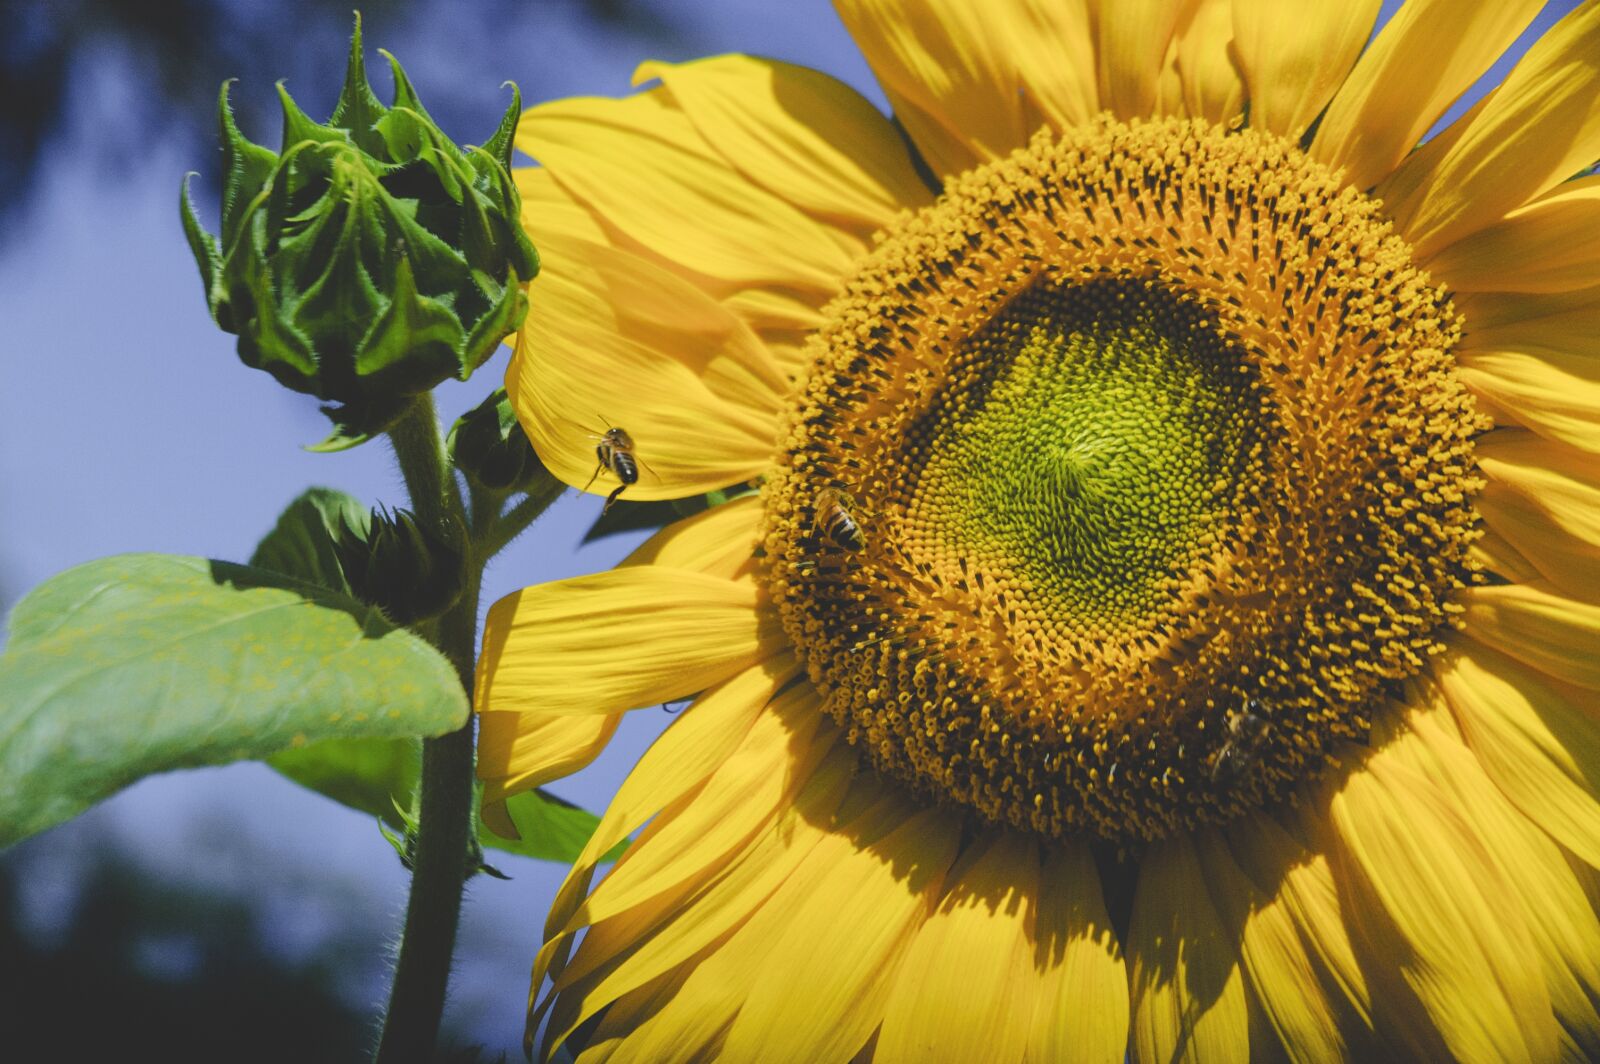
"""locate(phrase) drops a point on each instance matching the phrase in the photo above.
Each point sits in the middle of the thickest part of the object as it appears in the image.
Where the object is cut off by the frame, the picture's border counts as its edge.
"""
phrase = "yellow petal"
(619, 341)
(1563, 929)
(1406, 183)
(1541, 127)
(617, 1039)
(676, 764)
(1081, 1012)
(686, 439)
(800, 134)
(838, 927)
(1588, 877)
(720, 541)
(528, 750)
(1283, 975)
(1553, 393)
(643, 302)
(944, 65)
(968, 975)
(1297, 925)
(702, 738)
(1187, 989)
(746, 791)
(1556, 635)
(1425, 905)
(1294, 56)
(1534, 741)
(1561, 321)
(550, 213)
(1052, 45)
(1533, 248)
(639, 164)
(623, 954)
(1495, 554)
(1202, 49)
(766, 308)
(1544, 498)
(1422, 59)
(1131, 40)
(521, 751)
(620, 639)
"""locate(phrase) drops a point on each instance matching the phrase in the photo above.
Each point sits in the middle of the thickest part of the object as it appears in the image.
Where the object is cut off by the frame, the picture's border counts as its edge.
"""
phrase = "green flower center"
(1130, 479)
(1086, 440)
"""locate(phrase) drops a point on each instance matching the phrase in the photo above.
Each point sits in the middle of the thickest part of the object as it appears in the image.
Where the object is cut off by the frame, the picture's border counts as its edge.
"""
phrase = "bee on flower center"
(1247, 729)
(835, 521)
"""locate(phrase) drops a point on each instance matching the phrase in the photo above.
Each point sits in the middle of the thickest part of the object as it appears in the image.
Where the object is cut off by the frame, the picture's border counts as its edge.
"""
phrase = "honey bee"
(1247, 729)
(615, 452)
(835, 521)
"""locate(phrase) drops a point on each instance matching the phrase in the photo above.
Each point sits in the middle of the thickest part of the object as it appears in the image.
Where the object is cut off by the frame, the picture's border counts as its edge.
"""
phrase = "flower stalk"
(445, 824)
(445, 851)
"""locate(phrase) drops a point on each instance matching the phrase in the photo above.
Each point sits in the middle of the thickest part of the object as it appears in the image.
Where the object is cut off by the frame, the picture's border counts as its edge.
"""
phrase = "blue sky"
(127, 423)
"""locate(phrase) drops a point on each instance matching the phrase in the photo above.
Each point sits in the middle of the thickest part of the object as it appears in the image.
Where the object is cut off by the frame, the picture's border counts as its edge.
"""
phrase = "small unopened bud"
(488, 445)
(393, 562)
(370, 257)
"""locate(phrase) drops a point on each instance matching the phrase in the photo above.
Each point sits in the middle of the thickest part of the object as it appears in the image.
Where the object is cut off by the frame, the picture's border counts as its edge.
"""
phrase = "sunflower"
(1164, 617)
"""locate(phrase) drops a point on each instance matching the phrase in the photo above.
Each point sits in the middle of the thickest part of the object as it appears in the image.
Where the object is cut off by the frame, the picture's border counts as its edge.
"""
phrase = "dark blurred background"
(170, 57)
(227, 914)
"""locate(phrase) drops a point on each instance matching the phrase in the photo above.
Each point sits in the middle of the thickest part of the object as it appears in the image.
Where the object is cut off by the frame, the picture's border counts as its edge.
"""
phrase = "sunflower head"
(1162, 474)
(373, 217)
(1144, 645)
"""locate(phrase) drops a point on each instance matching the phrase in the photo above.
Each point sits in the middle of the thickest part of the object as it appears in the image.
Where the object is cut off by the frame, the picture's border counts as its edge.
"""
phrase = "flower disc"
(1129, 477)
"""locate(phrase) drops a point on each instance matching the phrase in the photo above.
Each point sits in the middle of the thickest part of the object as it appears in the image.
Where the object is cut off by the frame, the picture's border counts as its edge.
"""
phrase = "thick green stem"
(444, 831)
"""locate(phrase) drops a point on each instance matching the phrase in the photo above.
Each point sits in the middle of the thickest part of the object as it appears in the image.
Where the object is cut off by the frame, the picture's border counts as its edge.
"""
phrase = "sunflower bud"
(488, 445)
(395, 563)
(370, 258)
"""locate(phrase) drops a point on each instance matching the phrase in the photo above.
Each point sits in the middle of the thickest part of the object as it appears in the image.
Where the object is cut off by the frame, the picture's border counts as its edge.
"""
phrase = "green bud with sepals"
(391, 560)
(370, 258)
(488, 445)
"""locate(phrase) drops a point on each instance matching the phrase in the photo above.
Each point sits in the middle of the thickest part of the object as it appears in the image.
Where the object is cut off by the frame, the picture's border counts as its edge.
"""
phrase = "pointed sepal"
(500, 145)
(358, 109)
(207, 255)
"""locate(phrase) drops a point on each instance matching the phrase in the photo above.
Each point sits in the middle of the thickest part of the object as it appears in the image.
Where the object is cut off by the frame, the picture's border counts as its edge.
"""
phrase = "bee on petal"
(615, 452)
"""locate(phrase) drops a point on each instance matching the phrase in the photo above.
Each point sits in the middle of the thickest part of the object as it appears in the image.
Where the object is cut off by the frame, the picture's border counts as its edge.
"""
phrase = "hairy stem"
(495, 534)
(445, 822)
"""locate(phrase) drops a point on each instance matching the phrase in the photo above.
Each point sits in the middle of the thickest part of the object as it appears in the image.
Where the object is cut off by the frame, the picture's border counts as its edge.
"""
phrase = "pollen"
(1162, 476)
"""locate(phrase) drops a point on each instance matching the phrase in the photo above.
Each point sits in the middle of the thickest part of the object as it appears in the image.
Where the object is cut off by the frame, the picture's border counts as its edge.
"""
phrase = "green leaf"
(376, 775)
(302, 543)
(552, 828)
(356, 423)
(145, 662)
(372, 775)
